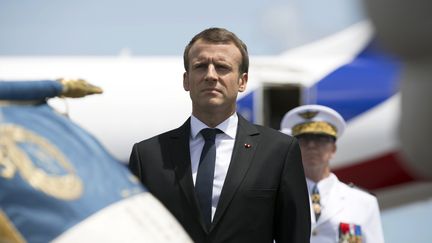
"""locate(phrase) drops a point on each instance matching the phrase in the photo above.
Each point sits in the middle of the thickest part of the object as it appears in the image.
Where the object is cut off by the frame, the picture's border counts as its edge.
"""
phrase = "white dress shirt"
(324, 187)
(224, 147)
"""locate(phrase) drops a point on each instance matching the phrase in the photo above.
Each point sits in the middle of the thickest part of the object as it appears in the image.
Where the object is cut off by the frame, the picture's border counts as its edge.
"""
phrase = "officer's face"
(317, 150)
(213, 79)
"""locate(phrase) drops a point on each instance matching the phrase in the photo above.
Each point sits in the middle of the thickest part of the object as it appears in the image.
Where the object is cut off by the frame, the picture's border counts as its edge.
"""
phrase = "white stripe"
(140, 218)
(308, 64)
(370, 134)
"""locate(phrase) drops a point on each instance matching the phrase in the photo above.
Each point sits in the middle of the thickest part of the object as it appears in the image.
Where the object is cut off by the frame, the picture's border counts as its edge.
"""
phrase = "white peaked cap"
(316, 119)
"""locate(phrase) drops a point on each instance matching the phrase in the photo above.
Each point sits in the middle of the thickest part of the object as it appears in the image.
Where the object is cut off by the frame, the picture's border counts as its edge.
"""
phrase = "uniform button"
(314, 232)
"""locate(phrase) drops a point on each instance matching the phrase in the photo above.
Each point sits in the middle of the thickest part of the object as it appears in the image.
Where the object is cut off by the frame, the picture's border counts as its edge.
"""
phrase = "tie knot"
(209, 134)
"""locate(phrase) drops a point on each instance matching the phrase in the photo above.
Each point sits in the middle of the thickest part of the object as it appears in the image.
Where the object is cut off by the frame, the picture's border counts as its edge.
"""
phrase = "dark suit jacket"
(264, 196)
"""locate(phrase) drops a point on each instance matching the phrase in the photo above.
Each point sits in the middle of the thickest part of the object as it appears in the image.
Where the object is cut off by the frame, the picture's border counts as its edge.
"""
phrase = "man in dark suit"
(223, 178)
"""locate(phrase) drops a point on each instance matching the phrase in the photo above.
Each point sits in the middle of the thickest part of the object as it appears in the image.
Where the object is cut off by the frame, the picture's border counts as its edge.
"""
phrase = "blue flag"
(54, 175)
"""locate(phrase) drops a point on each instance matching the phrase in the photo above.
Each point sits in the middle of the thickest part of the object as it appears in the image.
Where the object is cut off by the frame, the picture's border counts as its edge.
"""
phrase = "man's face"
(317, 150)
(213, 79)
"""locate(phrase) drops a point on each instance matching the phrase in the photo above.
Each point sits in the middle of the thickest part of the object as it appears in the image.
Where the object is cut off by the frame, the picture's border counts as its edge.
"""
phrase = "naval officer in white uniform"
(339, 213)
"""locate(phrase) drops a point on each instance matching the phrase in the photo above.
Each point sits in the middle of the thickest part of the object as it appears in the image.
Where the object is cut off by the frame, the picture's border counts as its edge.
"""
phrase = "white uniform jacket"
(343, 206)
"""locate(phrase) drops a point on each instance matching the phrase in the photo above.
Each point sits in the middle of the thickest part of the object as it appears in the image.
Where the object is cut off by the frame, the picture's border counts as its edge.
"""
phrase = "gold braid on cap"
(315, 127)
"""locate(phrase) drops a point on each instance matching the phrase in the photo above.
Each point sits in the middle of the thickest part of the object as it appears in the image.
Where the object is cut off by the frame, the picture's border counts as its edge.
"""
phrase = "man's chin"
(213, 103)
(312, 162)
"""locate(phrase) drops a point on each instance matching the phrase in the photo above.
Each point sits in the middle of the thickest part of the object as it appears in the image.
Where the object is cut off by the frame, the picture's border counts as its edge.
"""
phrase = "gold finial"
(76, 88)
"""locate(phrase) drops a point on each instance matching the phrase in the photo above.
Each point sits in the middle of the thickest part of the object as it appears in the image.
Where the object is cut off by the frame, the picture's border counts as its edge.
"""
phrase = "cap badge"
(308, 114)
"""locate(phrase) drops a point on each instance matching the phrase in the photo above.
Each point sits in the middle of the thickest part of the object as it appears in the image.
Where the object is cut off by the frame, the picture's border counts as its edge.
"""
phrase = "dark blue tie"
(205, 175)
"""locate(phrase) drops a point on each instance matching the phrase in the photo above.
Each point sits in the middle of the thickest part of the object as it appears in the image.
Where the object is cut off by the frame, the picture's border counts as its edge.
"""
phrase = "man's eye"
(223, 67)
(199, 66)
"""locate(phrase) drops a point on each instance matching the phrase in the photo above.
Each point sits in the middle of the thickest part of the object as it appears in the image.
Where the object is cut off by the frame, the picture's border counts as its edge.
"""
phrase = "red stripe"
(377, 173)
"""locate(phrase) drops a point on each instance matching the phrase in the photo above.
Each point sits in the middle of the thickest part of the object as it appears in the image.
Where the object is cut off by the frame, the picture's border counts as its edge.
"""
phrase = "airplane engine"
(410, 38)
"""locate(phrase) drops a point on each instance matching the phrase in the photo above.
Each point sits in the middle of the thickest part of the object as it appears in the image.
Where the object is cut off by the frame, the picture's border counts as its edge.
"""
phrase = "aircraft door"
(278, 100)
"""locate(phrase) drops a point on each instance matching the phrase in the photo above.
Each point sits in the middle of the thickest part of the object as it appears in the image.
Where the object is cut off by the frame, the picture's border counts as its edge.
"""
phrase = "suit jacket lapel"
(244, 149)
(180, 156)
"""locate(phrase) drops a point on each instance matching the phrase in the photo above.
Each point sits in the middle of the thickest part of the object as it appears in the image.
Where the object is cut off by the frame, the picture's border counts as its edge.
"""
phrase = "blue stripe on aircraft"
(245, 106)
(371, 78)
(368, 80)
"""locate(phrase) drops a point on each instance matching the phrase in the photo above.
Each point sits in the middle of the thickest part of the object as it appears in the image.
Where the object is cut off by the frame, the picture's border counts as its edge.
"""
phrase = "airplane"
(143, 96)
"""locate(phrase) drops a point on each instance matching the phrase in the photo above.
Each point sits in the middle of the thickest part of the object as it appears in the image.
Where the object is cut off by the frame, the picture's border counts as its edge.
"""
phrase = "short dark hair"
(220, 36)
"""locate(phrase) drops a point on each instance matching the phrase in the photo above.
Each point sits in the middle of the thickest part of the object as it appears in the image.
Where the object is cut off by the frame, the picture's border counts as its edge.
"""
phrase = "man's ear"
(334, 148)
(243, 82)
(185, 81)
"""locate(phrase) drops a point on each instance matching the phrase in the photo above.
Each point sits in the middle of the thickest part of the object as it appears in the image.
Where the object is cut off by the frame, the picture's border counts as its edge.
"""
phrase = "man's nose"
(211, 74)
(310, 142)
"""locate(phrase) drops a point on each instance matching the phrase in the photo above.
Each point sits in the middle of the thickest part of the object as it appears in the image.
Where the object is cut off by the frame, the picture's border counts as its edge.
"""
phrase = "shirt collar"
(324, 185)
(229, 126)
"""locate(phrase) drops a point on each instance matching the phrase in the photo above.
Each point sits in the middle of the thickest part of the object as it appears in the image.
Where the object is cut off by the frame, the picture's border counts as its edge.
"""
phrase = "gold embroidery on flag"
(66, 186)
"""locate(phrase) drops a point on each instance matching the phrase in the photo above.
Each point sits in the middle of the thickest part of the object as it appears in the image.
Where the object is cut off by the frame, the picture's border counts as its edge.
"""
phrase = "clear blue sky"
(96, 27)
(161, 27)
